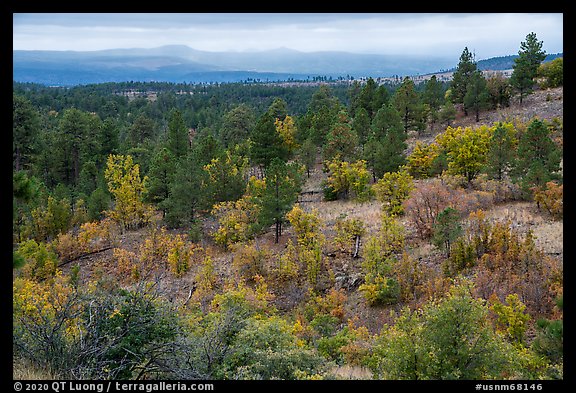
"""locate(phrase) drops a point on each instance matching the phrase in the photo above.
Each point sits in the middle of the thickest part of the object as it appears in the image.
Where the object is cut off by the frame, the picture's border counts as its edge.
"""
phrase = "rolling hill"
(178, 63)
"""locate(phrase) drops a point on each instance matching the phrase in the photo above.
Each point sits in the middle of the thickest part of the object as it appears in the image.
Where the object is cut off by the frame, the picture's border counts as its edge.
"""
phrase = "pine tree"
(538, 156)
(367, 98)
(226, 176)
(75, 142)
(278, 109)
(178, 140)
(187, 192)
(408, 105)
(526, 65)
(384, 151)
(461, 78)
(160, 177)
(447, 113)
(433, 97)
(446, 229)
(500, 152)
(141, 130)
(236, 125)
(320, 116)
(25, 129)
(267, 142)
(476, 97)
(341, 141)
(307, 155)
(283, 184)
(361, 126)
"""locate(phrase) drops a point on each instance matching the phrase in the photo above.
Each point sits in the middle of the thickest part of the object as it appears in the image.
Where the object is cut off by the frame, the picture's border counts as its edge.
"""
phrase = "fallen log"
(85, 255)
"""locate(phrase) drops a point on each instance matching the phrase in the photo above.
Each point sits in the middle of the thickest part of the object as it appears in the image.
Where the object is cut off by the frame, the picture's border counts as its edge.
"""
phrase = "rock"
(348, 282)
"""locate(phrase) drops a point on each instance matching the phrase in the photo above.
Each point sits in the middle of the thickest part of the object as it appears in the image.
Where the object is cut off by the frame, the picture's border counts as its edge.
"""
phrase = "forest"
(313, 231)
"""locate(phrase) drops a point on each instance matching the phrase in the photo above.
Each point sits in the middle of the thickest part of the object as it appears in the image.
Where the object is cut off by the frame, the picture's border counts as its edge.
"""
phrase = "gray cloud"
(487, 34)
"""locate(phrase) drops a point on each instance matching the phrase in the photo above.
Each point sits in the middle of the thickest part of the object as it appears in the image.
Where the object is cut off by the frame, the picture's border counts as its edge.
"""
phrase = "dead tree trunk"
(357, 247)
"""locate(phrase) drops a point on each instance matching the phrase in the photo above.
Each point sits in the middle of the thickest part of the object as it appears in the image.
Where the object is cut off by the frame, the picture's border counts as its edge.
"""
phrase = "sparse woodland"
(258, 231)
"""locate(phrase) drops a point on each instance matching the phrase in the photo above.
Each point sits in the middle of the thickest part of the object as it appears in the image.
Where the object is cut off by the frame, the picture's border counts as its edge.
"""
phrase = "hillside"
(184, 303)
(523, 216)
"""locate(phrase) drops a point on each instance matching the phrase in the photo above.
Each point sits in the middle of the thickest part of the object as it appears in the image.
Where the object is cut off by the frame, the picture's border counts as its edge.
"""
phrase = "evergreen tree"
(160, 177)
(500, 153)
(307, 155)
(447, 113)
(266, 142)
(538, 156)
(278, 109)
(98, 202)
(381, 97)
(341, 141)
(353, 97)
(526, 65)
(477, 97)
(226, 179)
(447, 339)
(178, 140)
(446, 229)
(25, 130)
(207, 148)
(142, 129)
(462, 76)
(361, 125)
(367, 97)
(187, 191)
(407, 103)
(75, 142)
(236, 125)
(384, 151)
(433, 97)
(320, 115)
(108, 139)
(25, 190)
(283, 184)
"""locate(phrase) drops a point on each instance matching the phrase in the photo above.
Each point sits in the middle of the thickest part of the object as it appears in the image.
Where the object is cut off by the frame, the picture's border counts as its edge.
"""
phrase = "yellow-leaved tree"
(287, 130)
(128, 189)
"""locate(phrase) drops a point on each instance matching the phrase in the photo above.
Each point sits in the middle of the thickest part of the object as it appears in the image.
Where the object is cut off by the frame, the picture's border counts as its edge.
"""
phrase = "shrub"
(347, 232)
(421, 159)
(41, 261)
(249, 262)
(551, 198)
(392, 190)
(381, 290)
(236, 221)
(348, 179)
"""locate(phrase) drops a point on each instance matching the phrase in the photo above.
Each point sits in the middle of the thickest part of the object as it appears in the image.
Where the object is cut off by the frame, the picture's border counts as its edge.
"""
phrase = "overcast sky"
(440, 34)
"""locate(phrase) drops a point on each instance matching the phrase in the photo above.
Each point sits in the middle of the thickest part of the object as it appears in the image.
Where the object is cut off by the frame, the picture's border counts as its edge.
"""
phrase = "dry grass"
(351, 372)
(544, 104)
(524, 216)
(24, 371)
(329, 212)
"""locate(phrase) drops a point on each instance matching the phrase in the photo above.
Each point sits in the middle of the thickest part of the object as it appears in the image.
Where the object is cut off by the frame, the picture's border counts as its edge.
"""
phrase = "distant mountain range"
(506, 62)
(180, 63)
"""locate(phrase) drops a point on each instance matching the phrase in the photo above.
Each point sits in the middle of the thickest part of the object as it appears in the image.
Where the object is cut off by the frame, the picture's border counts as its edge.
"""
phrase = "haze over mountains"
(180, 63)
